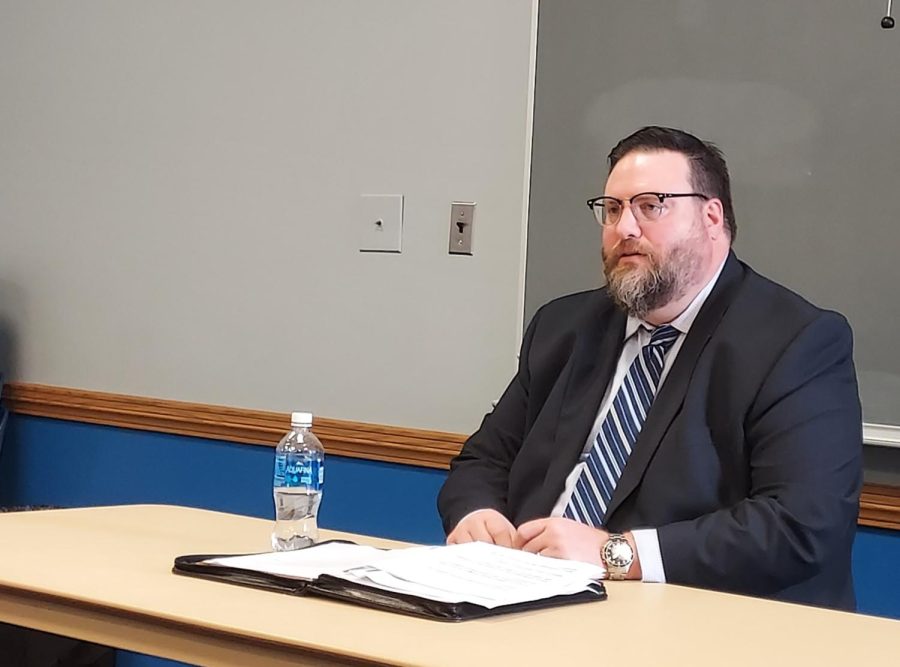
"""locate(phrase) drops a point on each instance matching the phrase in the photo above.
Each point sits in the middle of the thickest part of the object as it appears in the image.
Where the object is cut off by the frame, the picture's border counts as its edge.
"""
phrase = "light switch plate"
(380, 220)
(462, 219)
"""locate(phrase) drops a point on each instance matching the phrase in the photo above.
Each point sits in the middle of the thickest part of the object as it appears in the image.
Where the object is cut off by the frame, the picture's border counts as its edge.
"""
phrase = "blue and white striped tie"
(619, 430)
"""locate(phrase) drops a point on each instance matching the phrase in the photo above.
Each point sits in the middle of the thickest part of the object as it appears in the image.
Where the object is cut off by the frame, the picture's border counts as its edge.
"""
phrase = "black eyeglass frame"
(662, 196)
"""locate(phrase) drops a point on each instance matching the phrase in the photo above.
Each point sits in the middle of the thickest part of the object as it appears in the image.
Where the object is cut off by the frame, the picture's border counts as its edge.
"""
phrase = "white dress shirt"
(637, 335)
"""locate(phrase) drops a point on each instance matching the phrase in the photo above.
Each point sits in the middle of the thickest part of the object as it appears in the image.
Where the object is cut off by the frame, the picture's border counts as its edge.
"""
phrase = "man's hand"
(562, 538)
(484, 526)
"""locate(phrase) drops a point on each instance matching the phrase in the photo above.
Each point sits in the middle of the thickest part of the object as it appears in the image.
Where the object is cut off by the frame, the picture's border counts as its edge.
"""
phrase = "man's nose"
(627, 226)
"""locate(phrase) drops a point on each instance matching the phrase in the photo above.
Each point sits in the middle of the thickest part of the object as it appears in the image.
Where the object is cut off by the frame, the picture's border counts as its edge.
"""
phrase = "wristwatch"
(617, 556)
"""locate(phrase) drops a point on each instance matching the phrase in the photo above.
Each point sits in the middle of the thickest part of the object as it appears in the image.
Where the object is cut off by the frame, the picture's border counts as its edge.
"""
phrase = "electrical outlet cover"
(380, 220)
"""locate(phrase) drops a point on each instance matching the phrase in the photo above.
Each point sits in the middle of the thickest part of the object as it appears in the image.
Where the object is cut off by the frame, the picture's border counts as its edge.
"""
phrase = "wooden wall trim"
(432, 449)
(879, 504)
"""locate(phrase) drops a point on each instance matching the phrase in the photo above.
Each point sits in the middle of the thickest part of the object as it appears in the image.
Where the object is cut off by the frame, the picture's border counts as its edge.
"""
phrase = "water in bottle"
(297, 485)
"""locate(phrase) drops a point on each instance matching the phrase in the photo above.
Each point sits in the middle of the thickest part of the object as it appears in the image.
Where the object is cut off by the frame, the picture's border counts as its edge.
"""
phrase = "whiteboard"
(803, 98)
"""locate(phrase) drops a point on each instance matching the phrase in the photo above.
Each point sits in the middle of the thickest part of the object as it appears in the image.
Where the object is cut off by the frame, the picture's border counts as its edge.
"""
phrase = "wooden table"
(104, 575)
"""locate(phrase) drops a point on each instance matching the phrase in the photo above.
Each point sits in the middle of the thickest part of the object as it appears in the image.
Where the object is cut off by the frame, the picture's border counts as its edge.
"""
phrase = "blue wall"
(876, 571)
(54, 462)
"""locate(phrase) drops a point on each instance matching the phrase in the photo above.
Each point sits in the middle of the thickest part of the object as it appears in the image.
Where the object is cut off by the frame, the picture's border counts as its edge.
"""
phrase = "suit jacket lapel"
(671, 395)
(592, 366)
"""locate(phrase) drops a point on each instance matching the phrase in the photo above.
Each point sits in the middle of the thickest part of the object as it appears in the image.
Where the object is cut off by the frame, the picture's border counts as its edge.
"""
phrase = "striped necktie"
(619, 430)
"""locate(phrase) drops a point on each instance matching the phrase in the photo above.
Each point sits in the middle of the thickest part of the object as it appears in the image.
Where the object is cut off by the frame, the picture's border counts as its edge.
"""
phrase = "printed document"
(483, 574)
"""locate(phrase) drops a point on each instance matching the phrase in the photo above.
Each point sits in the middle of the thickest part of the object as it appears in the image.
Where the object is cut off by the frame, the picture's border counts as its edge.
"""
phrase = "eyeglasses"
(646, 206)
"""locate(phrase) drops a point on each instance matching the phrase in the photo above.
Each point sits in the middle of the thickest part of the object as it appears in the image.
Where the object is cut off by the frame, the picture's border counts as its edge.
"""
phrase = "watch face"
(618, 553)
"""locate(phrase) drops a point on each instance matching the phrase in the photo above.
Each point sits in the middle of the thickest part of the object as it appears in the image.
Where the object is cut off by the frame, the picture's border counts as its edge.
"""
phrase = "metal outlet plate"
(462, 220)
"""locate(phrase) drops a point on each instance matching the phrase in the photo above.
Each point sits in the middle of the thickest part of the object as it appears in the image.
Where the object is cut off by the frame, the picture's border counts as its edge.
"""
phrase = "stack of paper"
(479, 573)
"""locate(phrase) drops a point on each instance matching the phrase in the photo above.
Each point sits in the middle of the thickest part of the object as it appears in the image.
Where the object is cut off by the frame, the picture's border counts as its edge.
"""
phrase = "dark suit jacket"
(749, 463)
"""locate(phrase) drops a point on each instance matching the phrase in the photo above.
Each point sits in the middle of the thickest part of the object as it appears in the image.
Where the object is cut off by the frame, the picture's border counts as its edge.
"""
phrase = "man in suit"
(691, 422)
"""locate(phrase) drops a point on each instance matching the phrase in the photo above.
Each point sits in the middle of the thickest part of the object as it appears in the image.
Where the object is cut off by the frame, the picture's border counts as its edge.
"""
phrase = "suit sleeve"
(479, 476)
(803, 442)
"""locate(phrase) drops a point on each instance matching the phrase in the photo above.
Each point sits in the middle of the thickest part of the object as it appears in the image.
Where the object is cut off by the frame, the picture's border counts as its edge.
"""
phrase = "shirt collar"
(684, 321)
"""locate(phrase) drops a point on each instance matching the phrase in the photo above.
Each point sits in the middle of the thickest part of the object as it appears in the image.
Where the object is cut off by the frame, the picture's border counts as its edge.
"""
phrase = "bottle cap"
(301, 419)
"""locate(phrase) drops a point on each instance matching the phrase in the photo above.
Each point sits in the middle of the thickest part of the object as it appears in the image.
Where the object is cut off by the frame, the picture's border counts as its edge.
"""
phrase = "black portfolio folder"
(333, 587)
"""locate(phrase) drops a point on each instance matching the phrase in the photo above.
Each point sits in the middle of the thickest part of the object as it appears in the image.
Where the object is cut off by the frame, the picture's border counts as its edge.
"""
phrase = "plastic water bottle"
(297, 485)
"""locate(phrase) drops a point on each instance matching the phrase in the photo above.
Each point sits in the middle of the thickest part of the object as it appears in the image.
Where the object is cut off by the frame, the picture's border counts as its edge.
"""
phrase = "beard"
(641, 289)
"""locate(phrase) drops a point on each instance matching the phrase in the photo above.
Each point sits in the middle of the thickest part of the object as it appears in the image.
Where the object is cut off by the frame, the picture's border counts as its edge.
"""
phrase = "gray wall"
(802, 96)
(178, 201)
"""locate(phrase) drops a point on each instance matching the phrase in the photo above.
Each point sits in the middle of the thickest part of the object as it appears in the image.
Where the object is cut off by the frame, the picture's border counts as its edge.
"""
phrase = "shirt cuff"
(647, 542)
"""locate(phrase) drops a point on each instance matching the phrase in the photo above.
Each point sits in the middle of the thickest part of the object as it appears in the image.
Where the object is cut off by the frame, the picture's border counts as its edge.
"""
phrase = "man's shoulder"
(575, 310)
(769, 314)
(775, 300)
(578, 300)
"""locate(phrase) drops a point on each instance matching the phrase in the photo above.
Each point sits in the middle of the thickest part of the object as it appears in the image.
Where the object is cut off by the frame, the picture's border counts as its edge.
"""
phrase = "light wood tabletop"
(104, 574)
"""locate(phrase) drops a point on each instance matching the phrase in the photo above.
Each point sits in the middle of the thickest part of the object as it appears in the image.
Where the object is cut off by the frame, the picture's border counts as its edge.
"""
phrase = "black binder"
(329, 586)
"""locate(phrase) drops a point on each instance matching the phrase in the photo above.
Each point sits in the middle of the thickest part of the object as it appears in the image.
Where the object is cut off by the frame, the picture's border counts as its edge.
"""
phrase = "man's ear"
(714, 218)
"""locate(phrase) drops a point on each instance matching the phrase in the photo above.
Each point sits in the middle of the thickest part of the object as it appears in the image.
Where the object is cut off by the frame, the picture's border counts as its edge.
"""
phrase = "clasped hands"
(556, 537)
